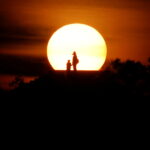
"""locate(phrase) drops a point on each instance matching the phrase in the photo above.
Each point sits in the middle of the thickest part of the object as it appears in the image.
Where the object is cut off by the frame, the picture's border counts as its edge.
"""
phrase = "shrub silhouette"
(121, 80)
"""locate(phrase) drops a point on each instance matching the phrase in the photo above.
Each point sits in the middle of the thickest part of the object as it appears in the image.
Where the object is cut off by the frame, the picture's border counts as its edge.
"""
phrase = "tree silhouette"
(17, 82)
(124, 79)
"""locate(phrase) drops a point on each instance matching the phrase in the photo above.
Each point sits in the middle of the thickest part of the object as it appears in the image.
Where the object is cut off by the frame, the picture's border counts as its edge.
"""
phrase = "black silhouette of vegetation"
(119, 80)
(17, 82)
(113, 95)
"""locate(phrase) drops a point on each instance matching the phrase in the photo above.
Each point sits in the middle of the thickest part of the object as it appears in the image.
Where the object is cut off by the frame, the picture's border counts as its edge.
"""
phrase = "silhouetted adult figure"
(75, 61)
(68, 66)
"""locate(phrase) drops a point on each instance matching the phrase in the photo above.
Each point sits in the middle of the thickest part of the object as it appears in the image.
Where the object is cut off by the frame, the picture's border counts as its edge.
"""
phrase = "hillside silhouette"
(114, 96)
(119, 80)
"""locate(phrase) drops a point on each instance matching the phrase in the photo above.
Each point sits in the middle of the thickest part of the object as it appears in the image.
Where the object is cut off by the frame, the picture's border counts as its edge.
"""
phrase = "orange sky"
(26, 25)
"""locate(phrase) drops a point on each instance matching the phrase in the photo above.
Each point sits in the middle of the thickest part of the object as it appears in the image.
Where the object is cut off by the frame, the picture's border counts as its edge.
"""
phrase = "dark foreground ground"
(81, 105)
(82, 87)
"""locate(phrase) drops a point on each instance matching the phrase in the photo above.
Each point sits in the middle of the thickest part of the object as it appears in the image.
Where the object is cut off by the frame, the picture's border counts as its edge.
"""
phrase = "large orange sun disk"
(86, 41)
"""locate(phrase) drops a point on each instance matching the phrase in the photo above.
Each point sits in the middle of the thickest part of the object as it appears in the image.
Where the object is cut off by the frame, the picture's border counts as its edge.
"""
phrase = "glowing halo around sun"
(88, 43)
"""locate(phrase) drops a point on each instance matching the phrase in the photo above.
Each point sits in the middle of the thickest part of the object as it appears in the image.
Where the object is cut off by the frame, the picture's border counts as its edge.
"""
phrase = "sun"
(86, 41)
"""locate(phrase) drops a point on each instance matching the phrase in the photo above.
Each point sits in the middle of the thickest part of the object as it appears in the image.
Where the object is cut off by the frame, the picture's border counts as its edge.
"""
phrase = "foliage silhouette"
(17, 82)
(106, 96)
(121, 80)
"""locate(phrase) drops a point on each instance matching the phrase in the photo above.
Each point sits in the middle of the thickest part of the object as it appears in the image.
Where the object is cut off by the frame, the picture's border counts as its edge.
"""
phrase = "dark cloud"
(20, 34)
(24, 65)
(18, 25)
(75, 3)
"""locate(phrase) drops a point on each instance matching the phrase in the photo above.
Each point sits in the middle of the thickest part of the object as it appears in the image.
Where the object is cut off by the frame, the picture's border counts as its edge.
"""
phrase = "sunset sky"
(26, 26)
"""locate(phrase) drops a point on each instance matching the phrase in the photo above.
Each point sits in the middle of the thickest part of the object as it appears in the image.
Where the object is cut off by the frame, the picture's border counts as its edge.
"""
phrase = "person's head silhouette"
(74, 53)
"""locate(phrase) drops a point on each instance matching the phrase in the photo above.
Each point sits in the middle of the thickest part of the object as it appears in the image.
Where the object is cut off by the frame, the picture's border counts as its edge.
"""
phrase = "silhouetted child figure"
(68, 65)
(75, 61)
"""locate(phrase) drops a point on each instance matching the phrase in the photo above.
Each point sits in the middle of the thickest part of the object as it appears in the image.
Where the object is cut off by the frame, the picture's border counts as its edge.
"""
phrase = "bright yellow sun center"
(87, 42)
